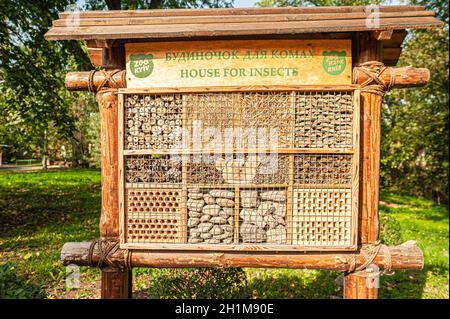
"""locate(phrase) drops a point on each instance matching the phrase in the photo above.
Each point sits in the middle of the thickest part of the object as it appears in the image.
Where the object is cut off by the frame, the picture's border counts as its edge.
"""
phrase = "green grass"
(40, 211)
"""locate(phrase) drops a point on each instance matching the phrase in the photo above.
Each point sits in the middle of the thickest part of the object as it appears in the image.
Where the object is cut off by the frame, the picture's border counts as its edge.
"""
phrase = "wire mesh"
(323, 120)
(232, 169)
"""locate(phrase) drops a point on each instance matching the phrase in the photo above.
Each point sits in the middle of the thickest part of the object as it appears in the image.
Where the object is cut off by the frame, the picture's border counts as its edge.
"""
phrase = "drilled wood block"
(322, 217)
(154, 216)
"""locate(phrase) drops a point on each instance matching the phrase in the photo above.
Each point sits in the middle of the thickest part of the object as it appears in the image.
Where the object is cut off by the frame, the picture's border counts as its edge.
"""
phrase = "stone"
(205, 227)
(246, 212)
(252, 217)
(277, 235)
(280, 220)
(228, 228)
(195, 240)
(212, 210)
(249, 199)
(209, 200)
(276, 196)
(222, 193)
(216, 230)
(223, 236)
(270, 221)
(206, 235)
(228, 241)
(195, 195)
(194, 233)
(226, 212)
(205, 218)
(195, 205)
(218, 220)
(280, 209)
(266, 208)
(252, 234)
(230, 220)
(225, 202)
(212, 241)
(193, 214)
(192, 222)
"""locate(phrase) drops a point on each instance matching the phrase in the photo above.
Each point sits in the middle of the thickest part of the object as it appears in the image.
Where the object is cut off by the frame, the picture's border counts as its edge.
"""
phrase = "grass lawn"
(40, 211)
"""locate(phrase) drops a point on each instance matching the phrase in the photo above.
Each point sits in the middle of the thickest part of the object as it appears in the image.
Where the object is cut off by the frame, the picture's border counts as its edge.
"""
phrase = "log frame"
(405, 256)
(116, 280)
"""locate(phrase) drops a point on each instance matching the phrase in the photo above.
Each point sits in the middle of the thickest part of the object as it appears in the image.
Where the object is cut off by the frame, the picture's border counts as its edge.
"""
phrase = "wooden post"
(366, 48)
(116, 284)
(362, 285)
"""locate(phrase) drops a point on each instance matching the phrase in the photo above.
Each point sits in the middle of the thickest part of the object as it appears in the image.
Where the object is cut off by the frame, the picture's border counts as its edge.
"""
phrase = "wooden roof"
(188, 23)
(185, 24)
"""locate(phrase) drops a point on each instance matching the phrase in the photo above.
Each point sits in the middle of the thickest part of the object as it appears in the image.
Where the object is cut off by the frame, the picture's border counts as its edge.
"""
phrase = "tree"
(33, 98)
(414, 153)
(414, 144)
(315, 3)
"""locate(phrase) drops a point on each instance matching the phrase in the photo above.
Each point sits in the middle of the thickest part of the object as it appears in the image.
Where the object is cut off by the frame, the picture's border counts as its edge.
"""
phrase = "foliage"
(35, 107)
(414, 148)
(315, 3)
(43, 210)
(390, 230)
(155, 4)
(14, 287)
(200, 283)
(414, 153)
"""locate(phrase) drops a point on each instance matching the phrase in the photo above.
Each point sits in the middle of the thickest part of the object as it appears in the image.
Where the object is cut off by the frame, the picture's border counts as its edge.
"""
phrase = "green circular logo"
(334, 62)
(141, 65)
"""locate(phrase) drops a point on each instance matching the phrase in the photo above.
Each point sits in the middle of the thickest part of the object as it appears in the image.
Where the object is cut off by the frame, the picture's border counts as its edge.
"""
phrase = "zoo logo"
(334, 62)
(141, 65)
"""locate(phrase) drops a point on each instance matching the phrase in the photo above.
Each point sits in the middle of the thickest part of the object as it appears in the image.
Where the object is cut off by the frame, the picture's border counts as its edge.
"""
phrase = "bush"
(200, 283)
(390, 230)
(14, 287)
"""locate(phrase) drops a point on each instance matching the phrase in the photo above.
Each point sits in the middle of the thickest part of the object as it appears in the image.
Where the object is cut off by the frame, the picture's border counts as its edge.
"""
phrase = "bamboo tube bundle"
(323, 120)
(322, 169)
(152, 120)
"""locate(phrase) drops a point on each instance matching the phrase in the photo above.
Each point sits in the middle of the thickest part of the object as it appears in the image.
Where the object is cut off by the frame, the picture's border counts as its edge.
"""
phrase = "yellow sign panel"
(238, 63)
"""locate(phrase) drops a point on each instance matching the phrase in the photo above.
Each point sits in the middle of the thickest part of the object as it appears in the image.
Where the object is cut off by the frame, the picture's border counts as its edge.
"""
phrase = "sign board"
(238, 63)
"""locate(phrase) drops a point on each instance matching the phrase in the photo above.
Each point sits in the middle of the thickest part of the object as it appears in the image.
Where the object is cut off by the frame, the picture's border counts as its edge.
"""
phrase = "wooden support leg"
(116, 284)
(361, 285)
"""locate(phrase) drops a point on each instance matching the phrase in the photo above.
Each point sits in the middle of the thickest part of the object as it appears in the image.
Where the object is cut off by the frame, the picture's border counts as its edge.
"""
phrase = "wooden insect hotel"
(242, 138)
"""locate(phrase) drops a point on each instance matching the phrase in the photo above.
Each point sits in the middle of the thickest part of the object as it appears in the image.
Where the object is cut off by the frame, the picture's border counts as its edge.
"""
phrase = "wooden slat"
(240, 151)
(120, 21)
(233, 29)
(233, 247)
(396, 40)
(235, 11)
(255, 88)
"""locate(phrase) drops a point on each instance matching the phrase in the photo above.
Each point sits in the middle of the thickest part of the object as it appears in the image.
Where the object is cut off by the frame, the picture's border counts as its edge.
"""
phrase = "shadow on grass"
(203, 283)
(13, 286)
(28, 205)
